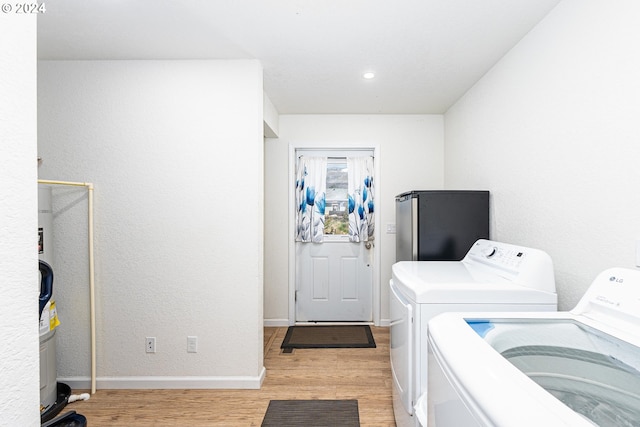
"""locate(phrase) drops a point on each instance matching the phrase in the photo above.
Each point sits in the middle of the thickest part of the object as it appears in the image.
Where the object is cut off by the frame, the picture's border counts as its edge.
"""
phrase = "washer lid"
(457, 282)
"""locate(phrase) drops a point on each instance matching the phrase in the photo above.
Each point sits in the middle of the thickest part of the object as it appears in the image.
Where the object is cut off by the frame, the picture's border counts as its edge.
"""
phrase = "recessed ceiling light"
(369, 75)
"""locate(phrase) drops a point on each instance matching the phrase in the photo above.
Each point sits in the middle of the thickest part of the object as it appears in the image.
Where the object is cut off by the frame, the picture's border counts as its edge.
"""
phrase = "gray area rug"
(312, 413)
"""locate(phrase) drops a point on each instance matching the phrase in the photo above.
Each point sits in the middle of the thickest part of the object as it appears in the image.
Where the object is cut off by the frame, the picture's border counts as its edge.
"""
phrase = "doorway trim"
(377, 221)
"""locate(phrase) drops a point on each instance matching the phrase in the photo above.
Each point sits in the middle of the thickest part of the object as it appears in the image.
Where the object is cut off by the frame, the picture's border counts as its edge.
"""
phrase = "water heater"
(48, 368)
(45, 224)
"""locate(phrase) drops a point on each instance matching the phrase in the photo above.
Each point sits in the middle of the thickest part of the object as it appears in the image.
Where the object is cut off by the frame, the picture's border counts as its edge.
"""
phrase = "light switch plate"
(192, 344)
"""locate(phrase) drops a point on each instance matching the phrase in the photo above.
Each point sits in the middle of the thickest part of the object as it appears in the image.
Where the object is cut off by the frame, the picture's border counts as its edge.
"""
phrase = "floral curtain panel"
(361, 199)
(311, 184)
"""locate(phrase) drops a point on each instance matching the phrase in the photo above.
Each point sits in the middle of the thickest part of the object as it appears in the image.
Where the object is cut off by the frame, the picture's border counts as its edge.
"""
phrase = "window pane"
(336, 220)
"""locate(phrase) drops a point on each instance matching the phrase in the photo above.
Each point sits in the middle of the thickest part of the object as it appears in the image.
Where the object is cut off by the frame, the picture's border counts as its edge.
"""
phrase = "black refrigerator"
(440, 225)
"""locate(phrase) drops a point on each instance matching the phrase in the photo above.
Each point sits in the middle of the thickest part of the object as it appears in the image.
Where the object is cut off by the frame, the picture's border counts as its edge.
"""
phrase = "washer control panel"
(527, 266)
(613, 296)
(499, 254)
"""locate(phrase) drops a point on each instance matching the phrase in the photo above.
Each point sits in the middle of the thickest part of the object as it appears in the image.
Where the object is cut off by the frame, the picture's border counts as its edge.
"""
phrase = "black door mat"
(312, 413)
(343, 336)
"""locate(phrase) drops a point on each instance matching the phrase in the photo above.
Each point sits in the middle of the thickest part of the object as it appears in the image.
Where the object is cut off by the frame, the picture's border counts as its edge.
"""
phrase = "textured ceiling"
(425, 53)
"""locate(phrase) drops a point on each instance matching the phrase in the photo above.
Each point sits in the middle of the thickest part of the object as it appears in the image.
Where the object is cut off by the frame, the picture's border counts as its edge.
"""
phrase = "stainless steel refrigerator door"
(407, 229)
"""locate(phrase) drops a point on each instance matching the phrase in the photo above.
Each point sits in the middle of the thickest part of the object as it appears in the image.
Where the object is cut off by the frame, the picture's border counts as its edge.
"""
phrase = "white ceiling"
(425, 53)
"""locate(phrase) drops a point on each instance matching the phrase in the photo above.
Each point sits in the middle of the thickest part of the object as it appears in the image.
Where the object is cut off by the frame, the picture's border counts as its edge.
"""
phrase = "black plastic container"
(64, 391)
(68, 419)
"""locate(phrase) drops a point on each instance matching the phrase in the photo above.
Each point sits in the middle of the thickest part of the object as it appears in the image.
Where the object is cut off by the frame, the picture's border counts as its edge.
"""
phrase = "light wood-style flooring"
(362, 374)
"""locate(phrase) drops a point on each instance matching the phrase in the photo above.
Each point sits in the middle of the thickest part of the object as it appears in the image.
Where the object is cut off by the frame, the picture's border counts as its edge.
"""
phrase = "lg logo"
(616, 279)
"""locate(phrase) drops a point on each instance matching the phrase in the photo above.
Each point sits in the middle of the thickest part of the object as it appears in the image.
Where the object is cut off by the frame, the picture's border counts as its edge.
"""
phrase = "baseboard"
(275, 323)
(106, 383)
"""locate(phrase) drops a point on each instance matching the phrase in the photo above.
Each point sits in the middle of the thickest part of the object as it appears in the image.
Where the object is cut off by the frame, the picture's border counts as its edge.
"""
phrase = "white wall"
(553, 131)
(410, 158)
(270, 115)
(175, 151)
(19, 289)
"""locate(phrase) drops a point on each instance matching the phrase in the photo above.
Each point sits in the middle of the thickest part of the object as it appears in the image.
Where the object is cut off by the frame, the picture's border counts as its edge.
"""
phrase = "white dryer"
(493, 276)
(577, 368)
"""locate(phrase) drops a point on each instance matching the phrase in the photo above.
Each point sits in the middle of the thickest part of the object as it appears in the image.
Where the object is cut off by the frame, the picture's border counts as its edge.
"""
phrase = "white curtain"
(311, 181)
(361, 198)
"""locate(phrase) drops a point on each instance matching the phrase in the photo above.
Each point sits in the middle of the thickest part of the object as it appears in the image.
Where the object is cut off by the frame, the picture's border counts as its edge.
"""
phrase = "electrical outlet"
(150, 344)
(192, 344)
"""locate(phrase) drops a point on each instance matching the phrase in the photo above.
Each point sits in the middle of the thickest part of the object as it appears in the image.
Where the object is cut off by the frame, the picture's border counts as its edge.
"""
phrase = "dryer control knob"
(489, 252)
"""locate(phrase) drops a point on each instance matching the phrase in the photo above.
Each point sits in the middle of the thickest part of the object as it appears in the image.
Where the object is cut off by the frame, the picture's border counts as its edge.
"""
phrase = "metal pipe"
(92, 300)
(76, 184)
(92, 294)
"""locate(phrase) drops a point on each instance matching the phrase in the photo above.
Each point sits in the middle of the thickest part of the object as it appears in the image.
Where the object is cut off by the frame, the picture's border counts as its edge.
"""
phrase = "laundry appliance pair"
(493, 276)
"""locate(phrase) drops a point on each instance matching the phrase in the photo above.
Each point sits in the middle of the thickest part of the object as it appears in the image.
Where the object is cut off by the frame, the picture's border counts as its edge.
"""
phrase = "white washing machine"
(577, 368)
(493, 276)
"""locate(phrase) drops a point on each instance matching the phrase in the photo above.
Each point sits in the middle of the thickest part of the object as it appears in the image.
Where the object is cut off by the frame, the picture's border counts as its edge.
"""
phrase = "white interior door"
(334, 279)
(334, 282)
